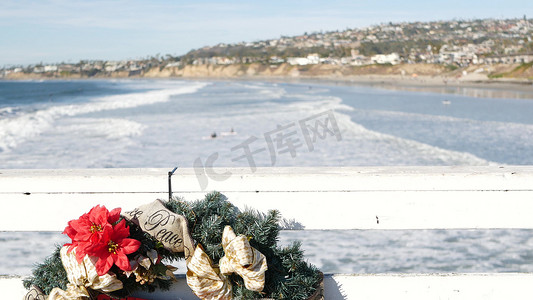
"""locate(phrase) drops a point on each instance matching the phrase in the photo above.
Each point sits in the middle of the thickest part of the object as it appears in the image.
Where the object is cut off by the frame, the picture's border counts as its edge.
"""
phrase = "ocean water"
(346, 251)
(164, 123)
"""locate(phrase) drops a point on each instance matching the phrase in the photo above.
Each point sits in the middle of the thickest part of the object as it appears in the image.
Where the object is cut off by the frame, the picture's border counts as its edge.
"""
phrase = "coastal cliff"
(286, 70)
(419, 73)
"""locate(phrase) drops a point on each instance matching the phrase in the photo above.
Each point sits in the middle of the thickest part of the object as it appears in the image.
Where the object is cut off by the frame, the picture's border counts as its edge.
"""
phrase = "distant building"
(300, 61)
(173, 64)
(392, 59)
(276, 60)
(311, 59)
(50, 68)
(360, 60)
(111, 67)
(509, 59)
(66, 68)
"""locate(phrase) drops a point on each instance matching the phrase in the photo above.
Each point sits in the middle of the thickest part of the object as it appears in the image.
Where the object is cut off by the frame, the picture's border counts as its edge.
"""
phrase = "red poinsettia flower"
(87, 231)
(90, 226)
(113, 248)
(96, 234)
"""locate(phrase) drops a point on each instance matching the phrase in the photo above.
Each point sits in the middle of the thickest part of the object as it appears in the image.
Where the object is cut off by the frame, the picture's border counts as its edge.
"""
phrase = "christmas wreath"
(229, 254)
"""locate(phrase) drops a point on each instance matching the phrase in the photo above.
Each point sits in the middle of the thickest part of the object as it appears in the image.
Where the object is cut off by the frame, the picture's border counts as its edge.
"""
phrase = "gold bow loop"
(82, 276)
(243, 259)
(209, 283)
(205, 281)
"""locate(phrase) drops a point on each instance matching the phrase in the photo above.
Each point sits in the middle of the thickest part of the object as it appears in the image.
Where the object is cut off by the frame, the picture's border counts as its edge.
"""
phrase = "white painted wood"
(401, 210)
(368, 287)
(12, 287)
(397, 197)
(432, 286)
(320, 179)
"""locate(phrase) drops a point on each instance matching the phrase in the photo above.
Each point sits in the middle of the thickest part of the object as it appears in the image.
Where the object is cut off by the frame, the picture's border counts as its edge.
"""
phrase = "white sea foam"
(500, 140)
(25, 126)
(393, 150)
(6, 111)
(359, 145)
(399, 151)
(101, 128)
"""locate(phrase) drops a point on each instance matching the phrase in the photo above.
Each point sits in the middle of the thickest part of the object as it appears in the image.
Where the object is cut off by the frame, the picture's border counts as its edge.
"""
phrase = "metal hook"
(170, 183)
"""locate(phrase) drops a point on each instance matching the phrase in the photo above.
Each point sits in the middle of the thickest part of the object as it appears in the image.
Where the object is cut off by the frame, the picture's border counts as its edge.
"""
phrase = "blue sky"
(51, 31)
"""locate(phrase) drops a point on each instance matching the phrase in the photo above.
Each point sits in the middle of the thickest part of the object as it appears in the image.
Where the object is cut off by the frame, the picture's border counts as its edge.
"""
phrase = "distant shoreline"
(416, 77)
(437, 84)
(494, 88)
(491, 89)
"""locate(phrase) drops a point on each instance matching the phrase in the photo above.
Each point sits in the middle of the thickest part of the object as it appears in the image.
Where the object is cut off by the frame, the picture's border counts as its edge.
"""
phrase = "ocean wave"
(395, 150)
(359, 145)
(6, 111)
(20, 128)
(101, 128)
(493, 140)
(253, 111)
(362, 146)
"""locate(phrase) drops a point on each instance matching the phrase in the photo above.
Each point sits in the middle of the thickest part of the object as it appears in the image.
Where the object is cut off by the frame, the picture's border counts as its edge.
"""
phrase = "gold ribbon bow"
(82, 276)
(205, 281)
(210, 283)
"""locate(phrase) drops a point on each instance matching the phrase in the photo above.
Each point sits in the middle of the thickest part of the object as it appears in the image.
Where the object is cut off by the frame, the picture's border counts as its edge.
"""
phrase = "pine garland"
(49, 274)
(288, 275)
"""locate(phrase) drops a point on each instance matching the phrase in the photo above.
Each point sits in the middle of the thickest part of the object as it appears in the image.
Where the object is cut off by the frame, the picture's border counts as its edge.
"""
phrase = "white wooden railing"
(397, 197)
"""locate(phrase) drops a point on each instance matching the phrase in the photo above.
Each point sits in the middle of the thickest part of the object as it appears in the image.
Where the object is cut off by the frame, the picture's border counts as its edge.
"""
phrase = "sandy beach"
(475, 86)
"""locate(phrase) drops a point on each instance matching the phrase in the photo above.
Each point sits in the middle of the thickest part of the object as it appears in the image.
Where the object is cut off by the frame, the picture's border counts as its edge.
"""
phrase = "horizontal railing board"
(369, 287)
(432, 286)
(334, 210)
(321, 179)
(50, 198)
